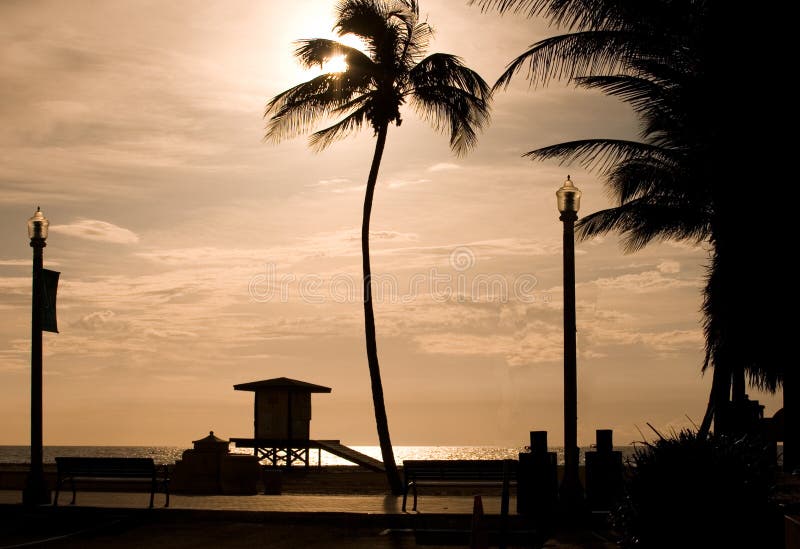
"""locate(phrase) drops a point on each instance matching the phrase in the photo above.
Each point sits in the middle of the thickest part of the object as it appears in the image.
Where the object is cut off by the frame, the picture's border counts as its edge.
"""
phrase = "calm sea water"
(168, 454)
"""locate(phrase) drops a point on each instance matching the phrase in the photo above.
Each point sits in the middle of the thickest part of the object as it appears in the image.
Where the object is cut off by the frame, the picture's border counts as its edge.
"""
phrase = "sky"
(195, 255)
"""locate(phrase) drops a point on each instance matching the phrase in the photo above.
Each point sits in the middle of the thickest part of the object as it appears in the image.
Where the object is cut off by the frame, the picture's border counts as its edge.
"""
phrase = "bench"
(142, 470)
(466, 472)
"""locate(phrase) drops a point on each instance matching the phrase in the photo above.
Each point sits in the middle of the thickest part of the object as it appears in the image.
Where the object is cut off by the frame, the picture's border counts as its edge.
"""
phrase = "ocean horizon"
(169, 454)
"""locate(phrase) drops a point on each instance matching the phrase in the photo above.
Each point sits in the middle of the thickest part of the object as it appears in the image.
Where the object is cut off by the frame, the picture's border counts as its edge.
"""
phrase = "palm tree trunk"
(381, 421)
(717, 402)
(791, 419)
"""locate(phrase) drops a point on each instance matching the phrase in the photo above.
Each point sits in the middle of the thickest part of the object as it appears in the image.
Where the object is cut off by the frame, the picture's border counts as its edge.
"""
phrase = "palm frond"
(379, 23)
(574, 55)
(640, 176)
(323, 138)
(417, 45)
(316, 51)
(364, 18)
(641, 221)
(586, 14)
(448, 70)
(453, 109)
(642, 93)
(599, 154)
(295, 110)
(451, 97)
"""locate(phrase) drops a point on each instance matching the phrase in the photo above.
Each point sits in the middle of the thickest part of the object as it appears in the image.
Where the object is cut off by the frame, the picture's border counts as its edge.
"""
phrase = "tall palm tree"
(371, 91)
(666, 59)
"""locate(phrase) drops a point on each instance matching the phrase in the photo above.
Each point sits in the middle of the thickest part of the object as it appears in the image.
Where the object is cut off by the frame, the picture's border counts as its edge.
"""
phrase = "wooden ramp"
(337, 449)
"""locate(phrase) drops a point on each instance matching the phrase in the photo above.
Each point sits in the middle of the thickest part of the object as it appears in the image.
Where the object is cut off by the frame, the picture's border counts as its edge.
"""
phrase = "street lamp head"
(569, 197)
(37, 226)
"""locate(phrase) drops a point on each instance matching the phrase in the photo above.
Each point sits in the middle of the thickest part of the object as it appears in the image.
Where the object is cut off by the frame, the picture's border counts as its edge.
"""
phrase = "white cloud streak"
(94, 229)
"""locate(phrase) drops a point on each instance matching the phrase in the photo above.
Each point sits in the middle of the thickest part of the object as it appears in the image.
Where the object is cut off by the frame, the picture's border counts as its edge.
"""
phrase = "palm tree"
(663, 57)
(371, 91)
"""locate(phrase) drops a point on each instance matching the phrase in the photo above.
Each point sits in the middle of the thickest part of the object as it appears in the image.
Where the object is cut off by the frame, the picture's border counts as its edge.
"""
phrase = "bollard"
(603, 473)
(537, 478)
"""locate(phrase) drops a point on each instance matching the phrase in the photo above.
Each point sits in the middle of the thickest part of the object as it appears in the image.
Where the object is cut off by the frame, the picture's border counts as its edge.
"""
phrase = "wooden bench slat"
(111, 468)
(458, 472)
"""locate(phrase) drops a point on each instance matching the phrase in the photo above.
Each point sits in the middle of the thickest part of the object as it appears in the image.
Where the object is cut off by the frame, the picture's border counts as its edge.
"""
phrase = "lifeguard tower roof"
(281, 383)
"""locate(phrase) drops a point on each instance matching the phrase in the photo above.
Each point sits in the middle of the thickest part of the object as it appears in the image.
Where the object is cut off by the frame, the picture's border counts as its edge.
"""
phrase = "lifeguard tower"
(281, 421)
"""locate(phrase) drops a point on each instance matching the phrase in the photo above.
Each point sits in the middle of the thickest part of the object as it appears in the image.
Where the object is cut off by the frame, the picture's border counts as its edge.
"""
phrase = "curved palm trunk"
(381, 420)
(717, 399)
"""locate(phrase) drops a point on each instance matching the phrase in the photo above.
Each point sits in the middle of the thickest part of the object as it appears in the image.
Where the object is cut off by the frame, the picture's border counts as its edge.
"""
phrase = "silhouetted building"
(209, 468)
(281, 419)
(282, 407)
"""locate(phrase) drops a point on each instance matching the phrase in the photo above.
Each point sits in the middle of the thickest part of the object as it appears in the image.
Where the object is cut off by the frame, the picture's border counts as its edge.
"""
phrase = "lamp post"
(571, 491)
(36, 491)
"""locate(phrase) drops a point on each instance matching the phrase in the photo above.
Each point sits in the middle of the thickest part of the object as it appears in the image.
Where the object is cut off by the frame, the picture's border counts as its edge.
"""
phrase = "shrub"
(688, 491)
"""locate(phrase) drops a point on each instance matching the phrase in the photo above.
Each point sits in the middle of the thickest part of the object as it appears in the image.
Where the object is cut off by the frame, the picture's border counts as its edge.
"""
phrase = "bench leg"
(405, 497)
(72, 482)
(504, 505)
(415, 498)
(58, 490)
(165, 485)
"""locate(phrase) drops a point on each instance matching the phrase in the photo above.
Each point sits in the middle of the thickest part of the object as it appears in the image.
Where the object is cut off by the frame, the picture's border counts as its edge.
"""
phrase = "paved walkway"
(306, 503)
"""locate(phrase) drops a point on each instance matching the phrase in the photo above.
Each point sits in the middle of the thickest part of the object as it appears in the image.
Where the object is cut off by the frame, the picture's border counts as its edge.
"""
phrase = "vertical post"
(36, 491)
(289, 444)
(571, 491)
(569, 201)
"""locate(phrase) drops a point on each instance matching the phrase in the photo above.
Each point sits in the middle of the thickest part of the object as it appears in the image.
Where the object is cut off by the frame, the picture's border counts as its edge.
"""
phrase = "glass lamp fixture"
(37, 226)
(569, 197)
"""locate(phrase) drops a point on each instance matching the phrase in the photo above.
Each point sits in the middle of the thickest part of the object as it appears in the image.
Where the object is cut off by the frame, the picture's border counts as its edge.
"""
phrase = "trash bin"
(537, 484)
(604, 473)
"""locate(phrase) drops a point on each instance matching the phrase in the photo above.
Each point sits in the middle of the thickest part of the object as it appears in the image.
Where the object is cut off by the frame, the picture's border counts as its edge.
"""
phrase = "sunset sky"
(195, 256)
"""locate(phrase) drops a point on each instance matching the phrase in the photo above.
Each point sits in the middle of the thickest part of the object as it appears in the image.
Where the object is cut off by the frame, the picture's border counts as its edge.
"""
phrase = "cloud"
(94, 229)
(397, 183)
(685, 245)
(536, 342)
(443, 166)
(351, 189)
(338, 185)
(669, 341)
(329, 182)
(207, 256)
(105, 320)
(648, 281)
(670, 267)
(15, 284)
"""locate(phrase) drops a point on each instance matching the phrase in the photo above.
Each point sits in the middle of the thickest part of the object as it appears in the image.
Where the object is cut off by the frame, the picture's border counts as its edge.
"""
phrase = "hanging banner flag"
(49, 289)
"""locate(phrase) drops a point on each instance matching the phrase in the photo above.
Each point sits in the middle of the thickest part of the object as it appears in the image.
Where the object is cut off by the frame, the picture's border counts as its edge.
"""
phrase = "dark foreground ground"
(335, 508)
(93, 527)
(86, 527)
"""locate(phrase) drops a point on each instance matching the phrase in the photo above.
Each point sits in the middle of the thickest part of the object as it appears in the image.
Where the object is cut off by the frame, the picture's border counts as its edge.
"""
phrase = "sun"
(335, 64)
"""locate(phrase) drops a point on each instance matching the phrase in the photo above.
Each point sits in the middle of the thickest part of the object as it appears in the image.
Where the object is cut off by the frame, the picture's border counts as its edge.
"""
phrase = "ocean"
(169, 454)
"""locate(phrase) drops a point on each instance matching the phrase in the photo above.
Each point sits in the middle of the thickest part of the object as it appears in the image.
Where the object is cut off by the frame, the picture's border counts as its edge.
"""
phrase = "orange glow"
(335, 64)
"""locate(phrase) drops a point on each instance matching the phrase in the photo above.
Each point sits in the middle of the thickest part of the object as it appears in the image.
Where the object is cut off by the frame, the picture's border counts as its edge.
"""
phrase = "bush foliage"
(690, 491)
